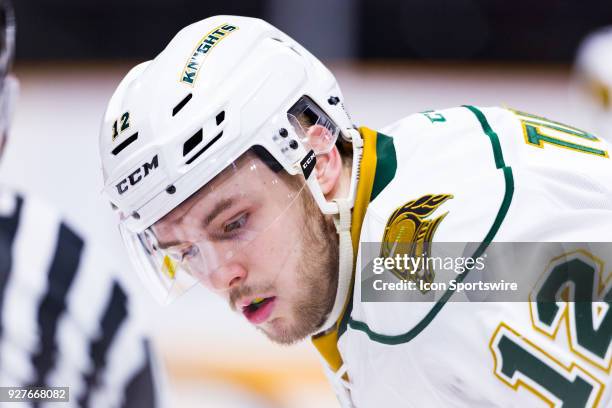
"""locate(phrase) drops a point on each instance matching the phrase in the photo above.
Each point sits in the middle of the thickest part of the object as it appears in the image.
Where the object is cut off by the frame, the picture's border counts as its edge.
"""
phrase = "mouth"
(259, 310)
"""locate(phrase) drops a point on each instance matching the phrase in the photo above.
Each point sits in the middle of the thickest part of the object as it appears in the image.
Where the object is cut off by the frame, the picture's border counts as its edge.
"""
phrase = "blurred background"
(391, 57)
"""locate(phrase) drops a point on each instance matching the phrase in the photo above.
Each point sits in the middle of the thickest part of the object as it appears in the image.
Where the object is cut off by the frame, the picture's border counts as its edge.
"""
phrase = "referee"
(65, 320)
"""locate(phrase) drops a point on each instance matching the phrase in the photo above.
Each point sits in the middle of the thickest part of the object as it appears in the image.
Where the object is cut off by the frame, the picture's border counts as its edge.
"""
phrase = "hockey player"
(65, 319)
(233, 163)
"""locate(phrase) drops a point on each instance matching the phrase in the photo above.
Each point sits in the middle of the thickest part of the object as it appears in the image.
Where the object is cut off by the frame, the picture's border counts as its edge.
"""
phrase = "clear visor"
(219, 233)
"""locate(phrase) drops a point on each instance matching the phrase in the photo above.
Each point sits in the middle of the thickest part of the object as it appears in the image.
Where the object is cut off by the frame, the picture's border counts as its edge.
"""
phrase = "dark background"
(465, 30)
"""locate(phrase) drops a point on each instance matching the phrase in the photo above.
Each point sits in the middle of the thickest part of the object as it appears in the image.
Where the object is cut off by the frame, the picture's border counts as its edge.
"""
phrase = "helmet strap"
(342, 221)
(357, 143)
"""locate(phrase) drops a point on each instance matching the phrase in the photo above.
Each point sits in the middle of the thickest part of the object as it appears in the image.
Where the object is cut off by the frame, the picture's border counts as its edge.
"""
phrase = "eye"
(190, 252)
(181, 253)
(235, 223)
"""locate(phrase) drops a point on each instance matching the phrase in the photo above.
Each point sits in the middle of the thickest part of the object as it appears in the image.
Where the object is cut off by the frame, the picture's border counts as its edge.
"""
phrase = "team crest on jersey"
(409, 231)
(204, 47)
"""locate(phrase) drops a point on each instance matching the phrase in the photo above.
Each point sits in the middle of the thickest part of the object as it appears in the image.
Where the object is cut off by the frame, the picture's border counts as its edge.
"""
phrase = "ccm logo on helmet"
(137, 175)
(308, 163)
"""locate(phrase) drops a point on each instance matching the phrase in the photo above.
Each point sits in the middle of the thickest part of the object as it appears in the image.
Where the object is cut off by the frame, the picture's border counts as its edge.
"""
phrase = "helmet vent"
(181, 104)
(220, 117)
(195, 156)
(124, 144)
(192, 142)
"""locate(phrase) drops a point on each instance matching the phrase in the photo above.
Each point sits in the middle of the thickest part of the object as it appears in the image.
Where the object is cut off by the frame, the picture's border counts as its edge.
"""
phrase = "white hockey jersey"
(485, 175)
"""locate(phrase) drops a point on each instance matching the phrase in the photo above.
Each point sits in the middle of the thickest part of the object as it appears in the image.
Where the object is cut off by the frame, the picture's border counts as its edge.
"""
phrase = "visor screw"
(283, 132)
(135, 215)
(333, 100)
(171, 190)
(293, 144)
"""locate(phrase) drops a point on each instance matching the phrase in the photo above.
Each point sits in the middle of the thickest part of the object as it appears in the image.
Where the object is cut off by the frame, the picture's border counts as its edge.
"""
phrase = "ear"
(329, 165)
(328, 170)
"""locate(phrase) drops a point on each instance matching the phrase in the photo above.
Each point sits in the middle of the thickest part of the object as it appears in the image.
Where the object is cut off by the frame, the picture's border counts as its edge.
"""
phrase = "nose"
(227, 276)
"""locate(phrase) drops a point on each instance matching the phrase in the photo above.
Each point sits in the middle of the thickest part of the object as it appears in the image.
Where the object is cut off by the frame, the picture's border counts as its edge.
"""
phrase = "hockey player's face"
(276, 265)
(295, 302)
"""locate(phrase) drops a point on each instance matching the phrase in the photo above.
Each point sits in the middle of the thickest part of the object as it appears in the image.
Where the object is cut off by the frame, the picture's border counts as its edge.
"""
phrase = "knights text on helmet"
(206, 44)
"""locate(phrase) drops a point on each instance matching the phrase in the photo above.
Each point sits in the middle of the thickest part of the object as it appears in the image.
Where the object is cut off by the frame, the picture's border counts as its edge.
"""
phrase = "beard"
(317, 277)
(317, 254)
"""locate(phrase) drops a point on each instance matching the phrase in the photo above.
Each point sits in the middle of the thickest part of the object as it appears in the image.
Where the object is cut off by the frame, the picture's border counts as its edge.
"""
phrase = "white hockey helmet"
(222, 86)
(592, 83)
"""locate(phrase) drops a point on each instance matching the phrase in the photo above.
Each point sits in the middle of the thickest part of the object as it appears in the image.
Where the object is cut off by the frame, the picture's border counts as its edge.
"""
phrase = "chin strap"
(342, 221)
(345, 269)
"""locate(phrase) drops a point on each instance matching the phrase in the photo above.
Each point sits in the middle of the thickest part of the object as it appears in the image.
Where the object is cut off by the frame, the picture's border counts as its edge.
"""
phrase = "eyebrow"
(210, 217)
(168, 244)
(218, 209)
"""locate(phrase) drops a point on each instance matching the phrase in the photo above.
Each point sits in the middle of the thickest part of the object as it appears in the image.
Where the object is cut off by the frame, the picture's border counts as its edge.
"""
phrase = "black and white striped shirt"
(65, 319)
